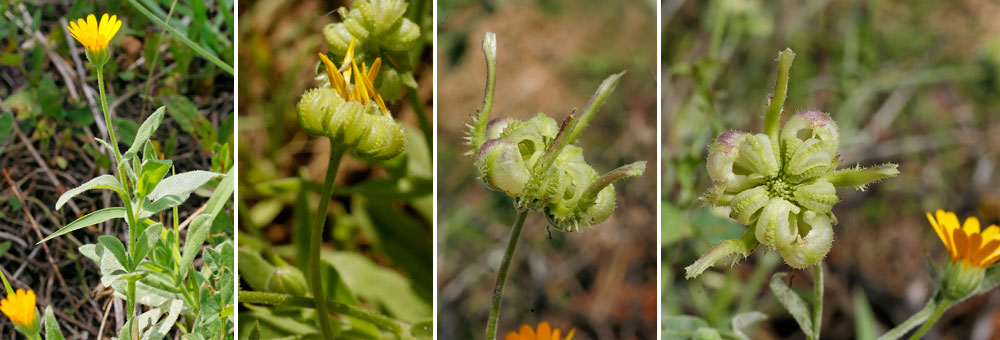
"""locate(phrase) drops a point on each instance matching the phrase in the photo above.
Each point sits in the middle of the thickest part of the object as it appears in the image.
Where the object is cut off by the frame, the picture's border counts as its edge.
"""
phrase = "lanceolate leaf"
(151, 174)
(115, 246)
(145, 131)
(52, 331)
(196, 236)
(793, 303)
(174, 190)
(87, 220)
(100, 182)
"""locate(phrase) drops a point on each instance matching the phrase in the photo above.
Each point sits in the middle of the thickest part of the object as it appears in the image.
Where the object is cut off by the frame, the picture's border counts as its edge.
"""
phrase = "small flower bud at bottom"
(288, 280)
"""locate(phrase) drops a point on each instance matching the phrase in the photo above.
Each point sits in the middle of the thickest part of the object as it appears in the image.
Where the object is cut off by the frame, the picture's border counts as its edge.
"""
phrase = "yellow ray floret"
(363, 89)
(92, 35)
(544, 332)
(967, 243)
(20, 307)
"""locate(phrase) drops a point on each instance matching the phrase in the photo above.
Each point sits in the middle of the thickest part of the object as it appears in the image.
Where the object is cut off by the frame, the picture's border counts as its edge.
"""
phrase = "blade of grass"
(187, 42)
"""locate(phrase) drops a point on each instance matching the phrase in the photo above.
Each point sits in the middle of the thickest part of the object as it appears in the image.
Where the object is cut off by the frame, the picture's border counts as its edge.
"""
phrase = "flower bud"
(777, 226)
(287, 279)
(389, 84)
(545, 125)
(375, 24)
(500, 164)
(350, 122)
(818, 196)
(385, 139)
(315, 107)
(813, 247)
(706, 333)
(757, 155)
(961, 279)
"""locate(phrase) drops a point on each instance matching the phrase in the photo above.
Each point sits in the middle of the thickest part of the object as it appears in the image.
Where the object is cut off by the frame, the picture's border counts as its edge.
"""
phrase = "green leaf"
(115, 246)
(149, 152)
(196, 236)
(792, 302)
(4, 247)
(52, 331)
(222, 194)
(149, 323)
(865, 325)
(88, 220)
(174, 190)
(743, 321)
(254, 269)
(382, 286)
(255, 332)
(680, 327)
(146, 241)
(145, 131)
(6, 125)
(100, 182)
(150, 175)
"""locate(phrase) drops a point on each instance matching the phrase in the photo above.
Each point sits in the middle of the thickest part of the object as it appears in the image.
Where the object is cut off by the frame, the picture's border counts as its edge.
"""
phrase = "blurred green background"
(552, 55)
(378, 231)
(911, 82)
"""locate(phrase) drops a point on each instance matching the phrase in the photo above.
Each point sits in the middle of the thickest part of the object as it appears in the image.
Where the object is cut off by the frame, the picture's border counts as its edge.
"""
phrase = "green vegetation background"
(552, 55)
(911, 82)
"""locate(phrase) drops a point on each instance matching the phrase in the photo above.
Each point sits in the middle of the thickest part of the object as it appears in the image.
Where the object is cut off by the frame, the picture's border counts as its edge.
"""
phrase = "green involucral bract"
(782, 186)
(379, 30)
(373, 135)
(535, 162)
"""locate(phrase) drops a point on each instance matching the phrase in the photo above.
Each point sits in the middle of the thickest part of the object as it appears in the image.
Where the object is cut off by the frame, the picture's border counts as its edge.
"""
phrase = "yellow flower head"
(363, 89)
(967, 243)
(545, 332)
(95, 36)
(20, 308)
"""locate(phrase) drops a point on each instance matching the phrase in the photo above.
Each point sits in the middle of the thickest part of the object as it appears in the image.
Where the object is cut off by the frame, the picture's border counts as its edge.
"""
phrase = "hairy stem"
(478, 135)
(107, 116)
(817, 298)
(130, 307)
(914, 320)
(316, 239)
(491, 326)
(277, 300)
(938, 310)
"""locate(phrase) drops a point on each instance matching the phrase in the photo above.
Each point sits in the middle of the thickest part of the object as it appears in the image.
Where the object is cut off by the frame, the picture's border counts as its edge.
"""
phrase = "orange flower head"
(967, 243)
(20, 308)
(544, 332)
(94, 35)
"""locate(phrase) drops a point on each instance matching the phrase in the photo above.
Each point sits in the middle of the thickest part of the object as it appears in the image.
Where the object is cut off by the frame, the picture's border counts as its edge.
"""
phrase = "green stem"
(279, 300)
(130, 307)
(914, 320)
(817, 298)
(316, 239)
(126, 199)
(478, 135)
(107, 116)
(938, 310)
(491, 326)
(773, 113)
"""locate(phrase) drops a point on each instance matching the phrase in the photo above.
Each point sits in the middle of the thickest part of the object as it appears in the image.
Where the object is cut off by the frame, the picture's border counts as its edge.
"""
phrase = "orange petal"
(975, 241)
(527, 332)
(570, 335)
(544, 331)
(555, 334)
(512, 336)
(985, 252)
(961, 244)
